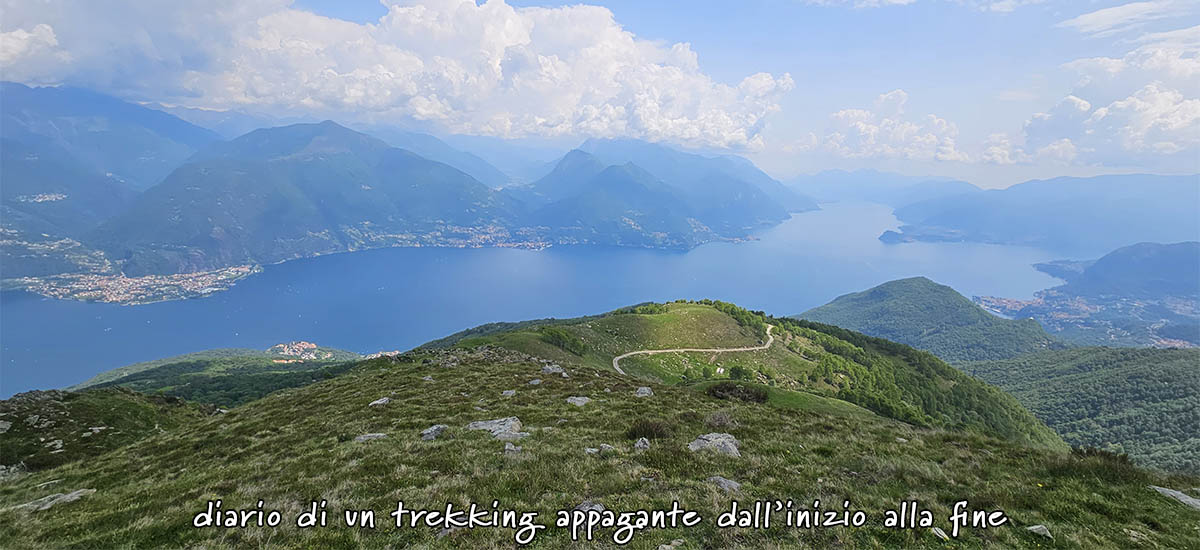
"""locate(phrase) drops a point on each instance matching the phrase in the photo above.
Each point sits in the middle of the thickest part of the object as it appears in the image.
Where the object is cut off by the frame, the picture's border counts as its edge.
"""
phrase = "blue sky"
(996, 91)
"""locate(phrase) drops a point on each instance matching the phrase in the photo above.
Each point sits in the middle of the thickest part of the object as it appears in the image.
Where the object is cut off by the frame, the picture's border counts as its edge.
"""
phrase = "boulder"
(1040, 530)
(49, 501)
(1181, 497)
(578, 401)
(432, 432)
(643, 391)
(728, 485)
(552, 369)
(508, 393)
(642, 444)
(508, 428)
(535, 381)
(589, 506)
(427, 378)
(510, 449)
(720, 443)
(379, 402)
(369, 437)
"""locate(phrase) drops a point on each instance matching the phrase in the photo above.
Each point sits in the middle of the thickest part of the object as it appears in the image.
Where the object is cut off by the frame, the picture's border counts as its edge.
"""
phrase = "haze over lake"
(399, 298)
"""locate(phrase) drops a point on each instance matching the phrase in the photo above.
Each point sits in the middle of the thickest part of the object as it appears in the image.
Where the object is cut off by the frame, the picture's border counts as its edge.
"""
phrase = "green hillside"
(228, 377)
(1143, 402)
(43, 429)
(888, 379)
(934, 318)
(300, 444)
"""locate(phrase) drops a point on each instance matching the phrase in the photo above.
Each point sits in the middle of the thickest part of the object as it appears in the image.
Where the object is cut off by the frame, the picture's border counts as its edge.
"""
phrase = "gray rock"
(432, 432)
(4, 426)
(510, 449)
(535, 381)
(427, 378)
(672, 546)
(901, 440)
(644, 391)
(591, 450)
(552, 369)
(578, 401)
(1181, 497)
(508, 428)
(50, 501)
(589, 506)
(720, 443)
(1040, 530)
(379, 402)
(728, 485)
(605, 448)
(642, 444)
(368, 437)
(508, 393)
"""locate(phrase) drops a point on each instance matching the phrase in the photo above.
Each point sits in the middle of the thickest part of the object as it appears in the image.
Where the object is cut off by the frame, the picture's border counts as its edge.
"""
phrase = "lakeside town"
(123, 290)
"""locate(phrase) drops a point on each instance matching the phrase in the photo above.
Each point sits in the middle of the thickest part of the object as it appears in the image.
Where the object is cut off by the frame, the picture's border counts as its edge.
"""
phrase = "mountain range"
(888, 188)
(1075, 216)
(178, 199)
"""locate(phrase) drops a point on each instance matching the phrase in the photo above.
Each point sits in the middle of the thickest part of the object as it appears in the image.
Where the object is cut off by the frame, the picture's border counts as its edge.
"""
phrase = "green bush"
(563, 338)
(650, 428)
(741, 392)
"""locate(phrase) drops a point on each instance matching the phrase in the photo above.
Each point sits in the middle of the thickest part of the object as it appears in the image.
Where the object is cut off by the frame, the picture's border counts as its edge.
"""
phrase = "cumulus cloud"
(1142, 108)
(886, 131)
(485, 68)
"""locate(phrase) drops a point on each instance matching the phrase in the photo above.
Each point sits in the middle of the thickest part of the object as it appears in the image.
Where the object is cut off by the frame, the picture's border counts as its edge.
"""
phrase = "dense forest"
(1142, 402)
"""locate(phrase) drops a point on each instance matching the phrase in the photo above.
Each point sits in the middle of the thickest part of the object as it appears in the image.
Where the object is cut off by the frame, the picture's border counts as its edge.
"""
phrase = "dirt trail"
(617, 359)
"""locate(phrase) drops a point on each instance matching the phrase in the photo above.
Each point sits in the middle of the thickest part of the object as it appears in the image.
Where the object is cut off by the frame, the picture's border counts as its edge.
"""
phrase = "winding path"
(617, 359)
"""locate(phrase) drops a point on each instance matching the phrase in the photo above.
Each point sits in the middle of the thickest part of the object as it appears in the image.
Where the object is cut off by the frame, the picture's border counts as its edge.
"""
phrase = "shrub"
(650, 428)
(562, 338)
(720, 419)
(741, 392)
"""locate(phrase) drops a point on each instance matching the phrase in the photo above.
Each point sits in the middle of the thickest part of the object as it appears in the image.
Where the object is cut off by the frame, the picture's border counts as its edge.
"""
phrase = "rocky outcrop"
(50, 501)
(719, 443)
(432, 432)
(1193, 503)
(727, 485)
(508, 428)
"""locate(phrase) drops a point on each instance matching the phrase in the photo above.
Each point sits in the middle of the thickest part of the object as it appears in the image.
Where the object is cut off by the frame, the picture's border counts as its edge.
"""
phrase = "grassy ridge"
(50, 428)
(296, 445)
(889, 379)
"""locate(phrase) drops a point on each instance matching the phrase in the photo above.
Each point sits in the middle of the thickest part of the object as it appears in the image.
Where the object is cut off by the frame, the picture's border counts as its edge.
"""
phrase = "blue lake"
(402, 297)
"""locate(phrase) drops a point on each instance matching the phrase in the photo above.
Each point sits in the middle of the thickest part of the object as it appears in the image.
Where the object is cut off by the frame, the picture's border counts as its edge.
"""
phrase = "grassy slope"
(1148, 407)
(296, 445)
(898, 382)
(932, 317)
(67, 417)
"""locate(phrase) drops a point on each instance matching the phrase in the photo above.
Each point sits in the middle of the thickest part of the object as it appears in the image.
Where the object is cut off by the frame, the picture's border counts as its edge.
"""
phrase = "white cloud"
(886, 132)
(998, 6)
(484, 68)
(1117, 19)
